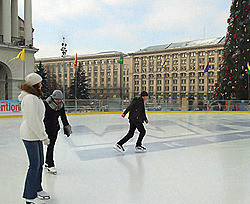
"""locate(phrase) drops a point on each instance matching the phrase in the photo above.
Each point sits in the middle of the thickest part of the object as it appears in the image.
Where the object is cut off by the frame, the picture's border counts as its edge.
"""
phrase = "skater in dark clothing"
(54, 107)
(136, 118)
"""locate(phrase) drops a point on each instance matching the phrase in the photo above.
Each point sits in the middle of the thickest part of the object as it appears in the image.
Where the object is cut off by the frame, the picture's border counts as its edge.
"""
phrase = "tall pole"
(76, 69)
(64, 51)
(248, 87)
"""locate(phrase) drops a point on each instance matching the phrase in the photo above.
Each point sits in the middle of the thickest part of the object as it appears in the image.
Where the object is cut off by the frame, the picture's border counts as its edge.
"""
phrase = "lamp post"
(64, 51)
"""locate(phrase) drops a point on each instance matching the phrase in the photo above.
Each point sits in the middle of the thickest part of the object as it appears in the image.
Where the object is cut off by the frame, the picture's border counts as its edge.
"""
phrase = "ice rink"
(192, 158)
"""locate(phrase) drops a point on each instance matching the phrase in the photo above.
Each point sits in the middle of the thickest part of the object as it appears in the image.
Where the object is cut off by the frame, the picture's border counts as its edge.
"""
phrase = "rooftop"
(193, 43)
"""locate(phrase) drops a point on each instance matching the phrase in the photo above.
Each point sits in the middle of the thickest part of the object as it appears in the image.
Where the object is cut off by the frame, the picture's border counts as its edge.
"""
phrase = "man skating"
(54, 107)
(136, 118)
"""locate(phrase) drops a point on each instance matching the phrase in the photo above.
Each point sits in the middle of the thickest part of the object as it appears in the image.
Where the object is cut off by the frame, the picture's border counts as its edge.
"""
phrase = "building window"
(183, 81)
(202, 53)
(183, 88)
(192, 81)
(210, 81)
(158, 88)
(174, 75)
(201, 81)
(174, 88)
(211, 59)
(201, 88)
(192, 54)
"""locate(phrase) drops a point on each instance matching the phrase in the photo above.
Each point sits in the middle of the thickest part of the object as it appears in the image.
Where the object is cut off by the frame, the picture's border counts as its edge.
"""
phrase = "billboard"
(9, 106)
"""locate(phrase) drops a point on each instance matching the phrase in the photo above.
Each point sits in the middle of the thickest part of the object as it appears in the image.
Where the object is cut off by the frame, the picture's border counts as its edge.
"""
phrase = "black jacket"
(51, 116)
(136, 110)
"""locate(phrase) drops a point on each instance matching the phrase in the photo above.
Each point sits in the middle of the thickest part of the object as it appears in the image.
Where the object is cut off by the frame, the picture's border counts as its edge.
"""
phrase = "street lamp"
(64, 51)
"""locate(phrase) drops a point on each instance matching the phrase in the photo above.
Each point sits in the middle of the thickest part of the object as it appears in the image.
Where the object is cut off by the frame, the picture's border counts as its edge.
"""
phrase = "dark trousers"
(133, 125)
(50, 150)
(33, 182)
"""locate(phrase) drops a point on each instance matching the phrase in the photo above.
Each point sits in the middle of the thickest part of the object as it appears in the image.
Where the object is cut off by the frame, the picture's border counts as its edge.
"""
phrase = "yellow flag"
(20, 55)
(75, 62)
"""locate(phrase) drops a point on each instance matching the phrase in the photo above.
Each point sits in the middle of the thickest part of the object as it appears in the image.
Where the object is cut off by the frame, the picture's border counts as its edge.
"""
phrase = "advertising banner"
(9, 106)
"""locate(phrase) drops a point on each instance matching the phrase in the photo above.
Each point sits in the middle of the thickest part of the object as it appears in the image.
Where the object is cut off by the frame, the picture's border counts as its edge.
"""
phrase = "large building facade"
(15, 34)
(183, 76)
(102, 70)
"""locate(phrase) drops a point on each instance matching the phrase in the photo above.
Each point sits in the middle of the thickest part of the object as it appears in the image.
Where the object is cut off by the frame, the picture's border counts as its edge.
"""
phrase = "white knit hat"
(33, 79)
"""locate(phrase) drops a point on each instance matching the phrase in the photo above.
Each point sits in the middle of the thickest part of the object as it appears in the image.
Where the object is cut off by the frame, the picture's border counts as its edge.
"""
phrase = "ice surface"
(191, 158)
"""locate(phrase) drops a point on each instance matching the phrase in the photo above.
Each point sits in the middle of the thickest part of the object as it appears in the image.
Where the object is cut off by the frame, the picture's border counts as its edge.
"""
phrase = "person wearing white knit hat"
(33, 78)
(33, 135)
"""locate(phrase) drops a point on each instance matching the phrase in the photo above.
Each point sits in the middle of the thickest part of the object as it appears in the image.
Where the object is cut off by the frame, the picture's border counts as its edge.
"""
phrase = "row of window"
(192, 74)
(174, 81)
(182, 55)
(174, 88)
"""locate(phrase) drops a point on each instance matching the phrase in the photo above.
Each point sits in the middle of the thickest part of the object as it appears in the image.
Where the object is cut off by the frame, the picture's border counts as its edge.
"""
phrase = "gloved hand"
(123, 115)
(67, 130)
(146, 121)
(46, 141)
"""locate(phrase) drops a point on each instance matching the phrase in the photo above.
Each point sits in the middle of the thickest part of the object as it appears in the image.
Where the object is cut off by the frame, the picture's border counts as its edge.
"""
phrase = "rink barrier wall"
(105, 113)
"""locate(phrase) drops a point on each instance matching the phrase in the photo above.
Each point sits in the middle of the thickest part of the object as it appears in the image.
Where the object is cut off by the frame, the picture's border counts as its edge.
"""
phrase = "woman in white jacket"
(32, 132)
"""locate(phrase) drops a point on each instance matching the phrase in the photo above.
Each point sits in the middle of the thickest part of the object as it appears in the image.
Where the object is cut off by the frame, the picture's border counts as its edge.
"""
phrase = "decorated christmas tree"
(233, 79)
(79, 86)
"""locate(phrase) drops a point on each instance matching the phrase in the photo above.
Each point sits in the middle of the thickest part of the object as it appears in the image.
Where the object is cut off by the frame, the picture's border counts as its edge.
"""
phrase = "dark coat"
(136, 110)
(51, 118)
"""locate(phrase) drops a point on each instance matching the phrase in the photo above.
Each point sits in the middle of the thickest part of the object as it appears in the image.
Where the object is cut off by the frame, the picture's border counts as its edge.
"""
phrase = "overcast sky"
(92, 26)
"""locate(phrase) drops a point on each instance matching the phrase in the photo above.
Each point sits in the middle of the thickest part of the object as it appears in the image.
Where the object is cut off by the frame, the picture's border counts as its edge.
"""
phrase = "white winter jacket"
(32, 127)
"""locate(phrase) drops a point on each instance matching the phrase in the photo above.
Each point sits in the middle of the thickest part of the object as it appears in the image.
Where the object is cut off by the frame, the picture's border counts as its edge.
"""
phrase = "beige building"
(15, 34)
(102, 70)
(183, 76)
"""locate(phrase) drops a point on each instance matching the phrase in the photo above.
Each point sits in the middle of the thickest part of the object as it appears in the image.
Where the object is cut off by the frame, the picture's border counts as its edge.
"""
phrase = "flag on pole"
(248, 68)
(75, 62)
(120, 60)
(20, 55)
(164, 65)
(207, 68)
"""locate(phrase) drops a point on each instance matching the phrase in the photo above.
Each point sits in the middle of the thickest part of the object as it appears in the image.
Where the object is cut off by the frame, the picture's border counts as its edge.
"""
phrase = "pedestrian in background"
(136, 118)
(32, 132)
(54, 108)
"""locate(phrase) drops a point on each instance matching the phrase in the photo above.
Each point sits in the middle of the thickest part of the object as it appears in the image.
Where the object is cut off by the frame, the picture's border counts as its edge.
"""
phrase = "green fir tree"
(49, 83)
(233, 77)
(79, 86)
(42, 72)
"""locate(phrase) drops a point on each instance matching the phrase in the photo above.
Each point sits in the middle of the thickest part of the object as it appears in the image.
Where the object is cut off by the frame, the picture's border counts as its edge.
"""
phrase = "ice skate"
(119, 148)
(34, 201)
(43, 195)
(52, 170)
(140, 149)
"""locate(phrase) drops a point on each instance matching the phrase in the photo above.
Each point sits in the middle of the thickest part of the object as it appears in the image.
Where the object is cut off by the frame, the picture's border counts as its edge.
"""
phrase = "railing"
(117, 105)
(17, 41)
